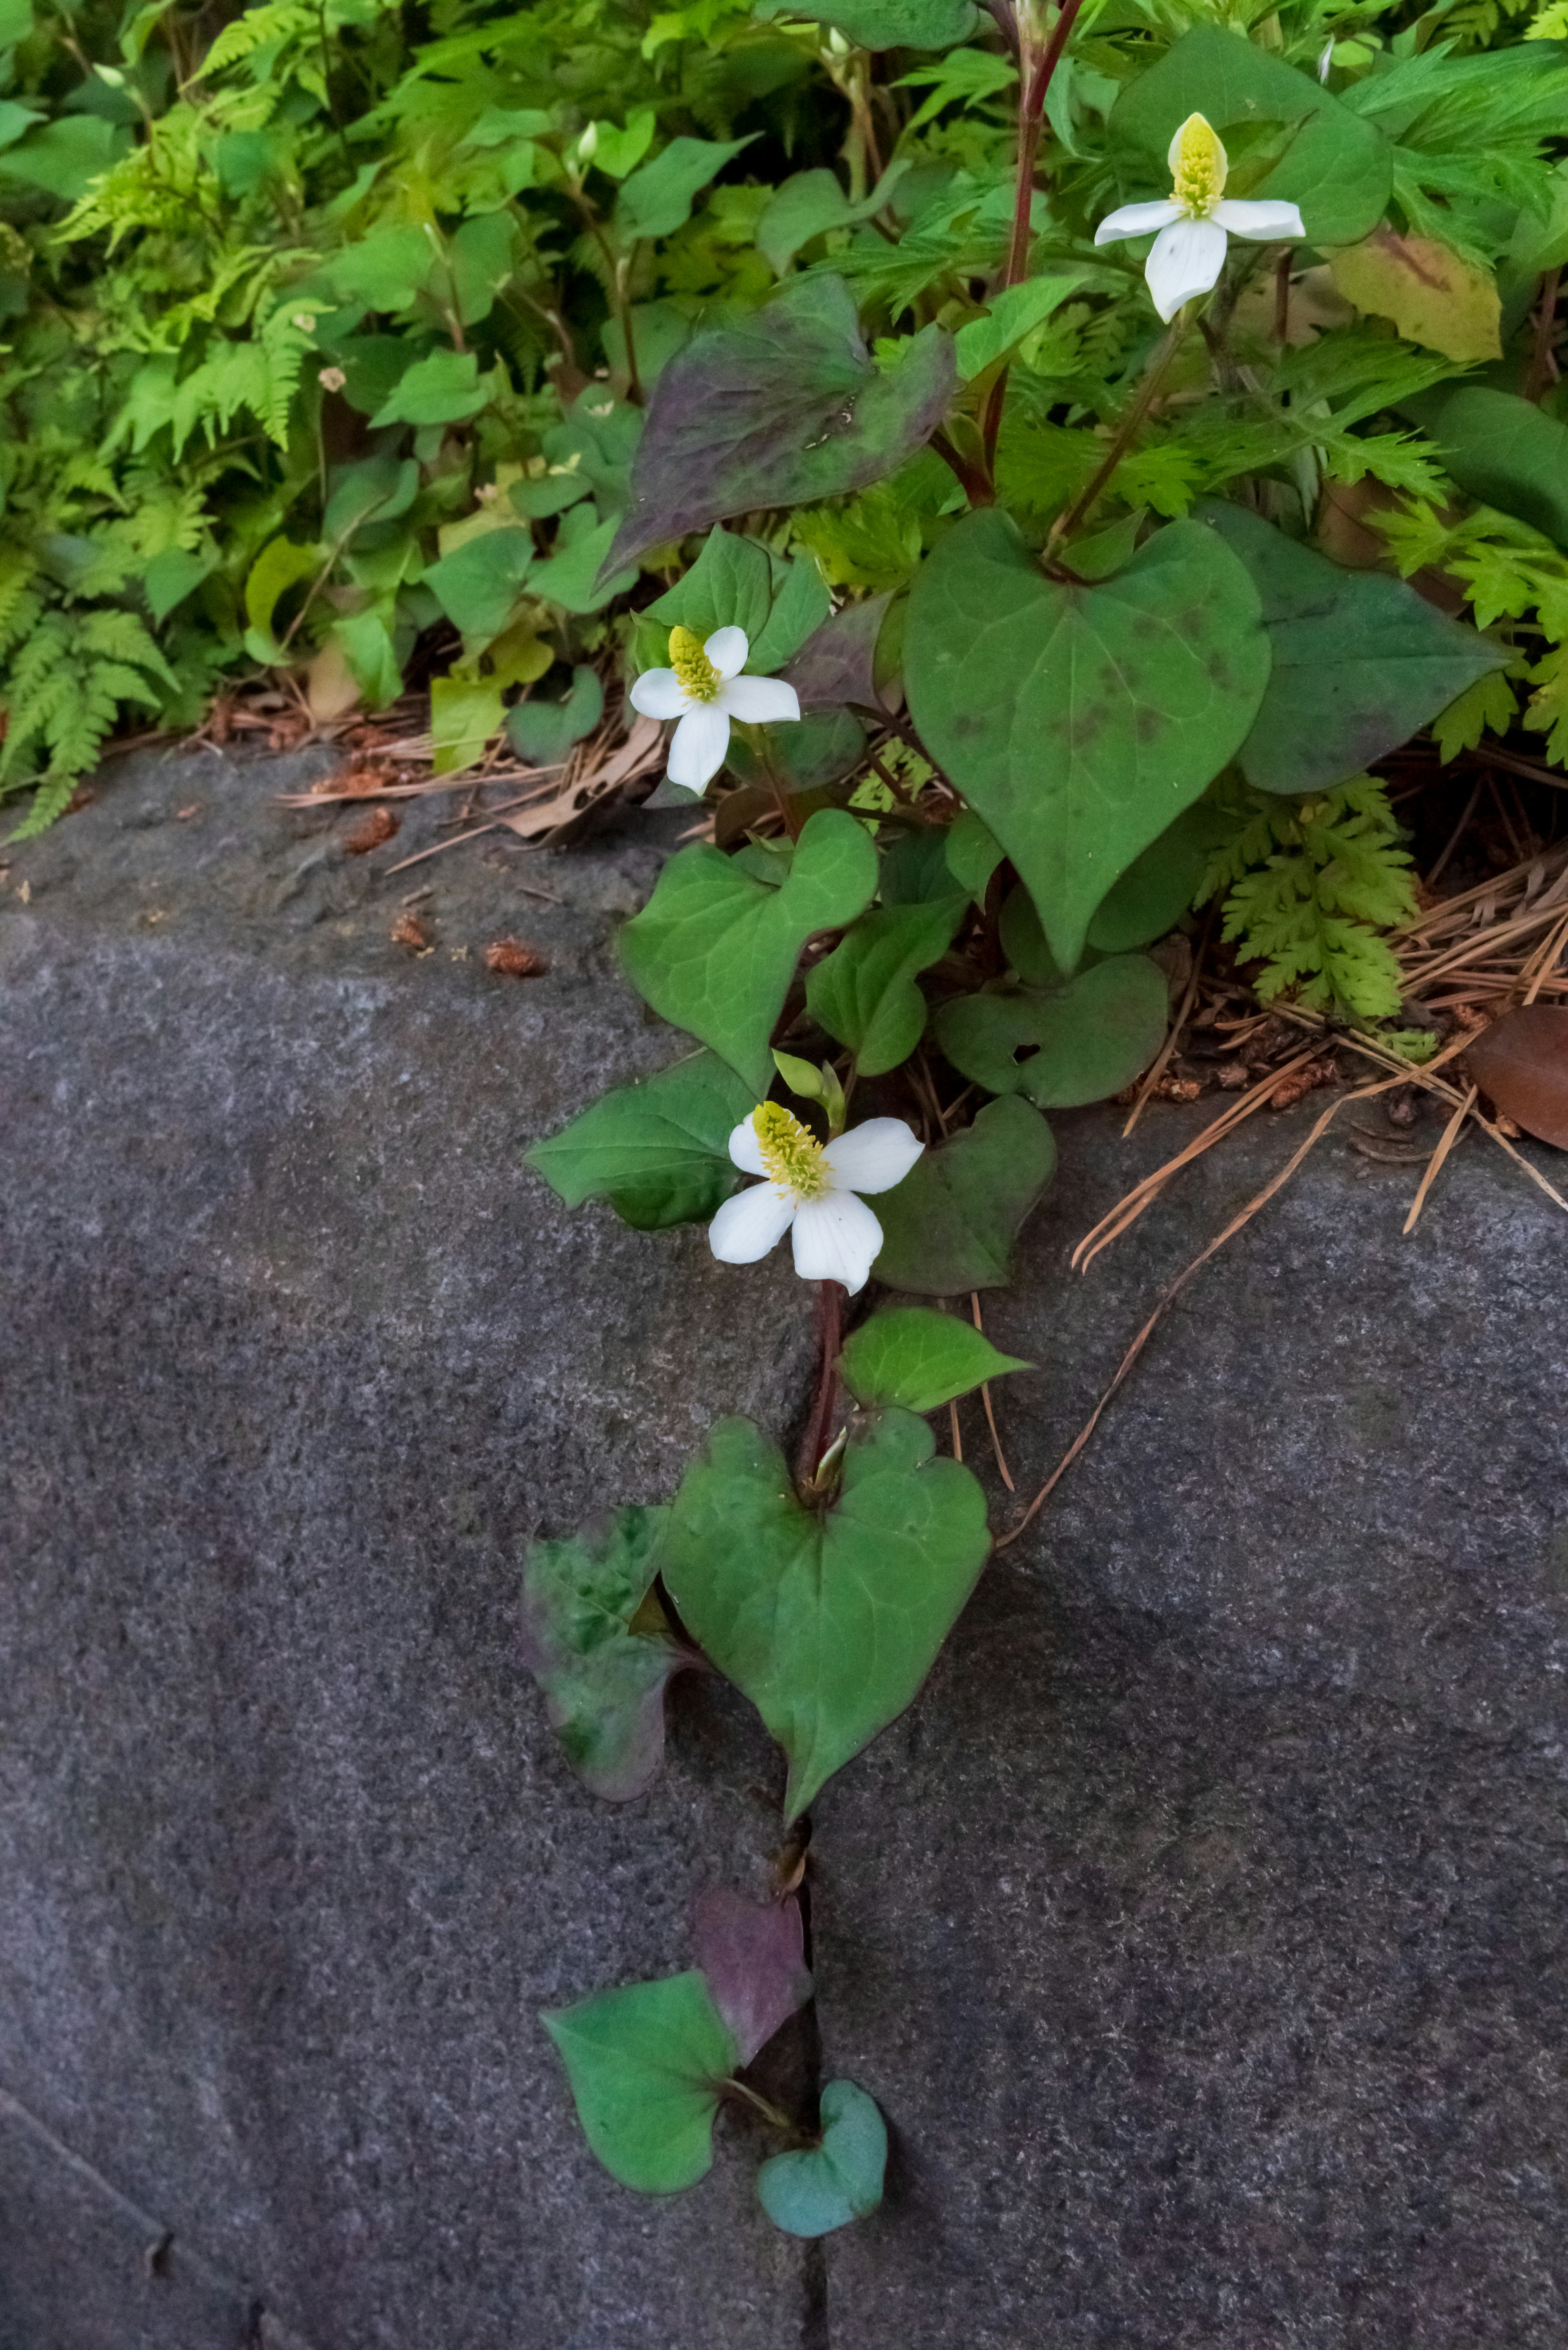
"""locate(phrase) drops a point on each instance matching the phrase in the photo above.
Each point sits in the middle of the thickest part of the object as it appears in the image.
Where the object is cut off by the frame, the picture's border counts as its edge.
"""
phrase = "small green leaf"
(1078, 720)
(603, 1682)
(615, 151)
(1338, 168)
(657, 200)
(811, 2193)
(810, 205)
(570, 575)
(373, 658)
(885, 24)
(730, 585)
(800, 606)
(544, 732)
(951, 1224)
(174, 574)
(1012, 314)
(441, 389)
(647, 2064)
(477, 585)
(1360, 660)
(658, 1150)
(777, 409)
(279, 567)
(1079, 1043)
(909, 1355)
(829, 1621)
(818, 1085)
(714, 952)
(466, 715)
(863, 993)
(1500, 449)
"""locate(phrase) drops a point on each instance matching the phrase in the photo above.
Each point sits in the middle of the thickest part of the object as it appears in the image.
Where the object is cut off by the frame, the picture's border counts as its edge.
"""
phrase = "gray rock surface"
(295, 1355)
(1199, 1929)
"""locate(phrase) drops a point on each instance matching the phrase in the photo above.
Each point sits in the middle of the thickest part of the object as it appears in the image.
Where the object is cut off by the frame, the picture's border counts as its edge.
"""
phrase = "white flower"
(1194, 221)
(812, 1186)
(704, 689)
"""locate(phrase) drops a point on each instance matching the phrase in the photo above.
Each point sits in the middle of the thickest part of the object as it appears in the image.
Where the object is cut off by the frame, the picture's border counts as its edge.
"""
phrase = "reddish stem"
(1031, 117)
(1538, 382)
(829, 1333)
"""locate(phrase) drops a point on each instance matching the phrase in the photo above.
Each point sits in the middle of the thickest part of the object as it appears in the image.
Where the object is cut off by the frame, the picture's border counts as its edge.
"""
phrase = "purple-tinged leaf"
(837, 663)
(604, 1682)
(784, 408)
(752, 1955)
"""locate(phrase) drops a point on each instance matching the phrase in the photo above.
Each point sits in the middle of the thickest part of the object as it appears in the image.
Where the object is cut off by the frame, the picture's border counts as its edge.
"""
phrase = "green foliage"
(646, 2066)
(918, 1359)
(1308, 888)
(599, 1651)
(829, 1621)
(657, 1151)
(813, 2192)
(1083, 1041)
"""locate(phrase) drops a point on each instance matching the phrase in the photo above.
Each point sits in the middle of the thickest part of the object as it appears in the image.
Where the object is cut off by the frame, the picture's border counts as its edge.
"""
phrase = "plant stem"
(976, 486)
(1147, 392)
(1538, 382)
(829, 1332)
(770, 2113)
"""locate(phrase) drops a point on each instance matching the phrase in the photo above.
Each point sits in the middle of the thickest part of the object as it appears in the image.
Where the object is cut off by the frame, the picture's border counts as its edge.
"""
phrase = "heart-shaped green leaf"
(776, 410)
(1079, 721)
(837, 664)
(604, 1682)
(544, 732)
(1360, 660)
(951, 1224)
(1338, 168)
(570, 577)
(443, 389)
(863, 993)
(647, 2064)
(657, 200)
(714, 950)
(1080, 1043)
(736, 583)
(910, 1356)
(477, 583)
(658, 1150)
(829, 1621)
(811, 2193)
(813, 203)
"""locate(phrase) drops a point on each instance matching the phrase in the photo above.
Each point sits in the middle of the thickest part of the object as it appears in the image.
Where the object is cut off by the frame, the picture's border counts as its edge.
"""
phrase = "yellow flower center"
(791, 1155)
(1198, 166)
(695, 674)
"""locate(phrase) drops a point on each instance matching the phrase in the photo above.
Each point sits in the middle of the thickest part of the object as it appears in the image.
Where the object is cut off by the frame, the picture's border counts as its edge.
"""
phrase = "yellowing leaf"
(1433, 296)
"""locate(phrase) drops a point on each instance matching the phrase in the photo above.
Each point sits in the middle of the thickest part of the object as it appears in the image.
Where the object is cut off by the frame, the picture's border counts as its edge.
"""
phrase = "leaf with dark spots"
(752, 1955)
(1079, 721)
(1360, 660)
(1522, 1060)
(784, 408)
(604, 1682)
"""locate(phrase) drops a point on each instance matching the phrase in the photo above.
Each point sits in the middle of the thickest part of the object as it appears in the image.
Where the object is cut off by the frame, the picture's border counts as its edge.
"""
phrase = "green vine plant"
(1034, 461)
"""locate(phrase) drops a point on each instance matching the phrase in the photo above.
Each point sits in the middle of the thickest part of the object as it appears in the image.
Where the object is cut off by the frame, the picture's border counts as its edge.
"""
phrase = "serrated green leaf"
(778, 409)
(647, 2064)
(714, 952)
(1360, 660)
(915, 1357)
(863, 993)
(885, 24)
(658, 1150)
(1012, 314)
(1337, 167)
(829, 1621)
(1080, 1043)
(603, 1682)
(951, 1224)
(1078, 720)
(811, 2193)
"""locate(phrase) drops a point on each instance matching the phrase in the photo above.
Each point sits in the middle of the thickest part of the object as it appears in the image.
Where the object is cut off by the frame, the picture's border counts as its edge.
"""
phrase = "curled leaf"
(604, 1682)
(814, 2192)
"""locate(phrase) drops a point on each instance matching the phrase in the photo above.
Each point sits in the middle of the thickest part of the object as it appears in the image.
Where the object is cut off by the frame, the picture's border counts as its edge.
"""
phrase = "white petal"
(698, 746)
(837, 1238)
(657, 694)
(758, 700)
(753, 1222)
(1187, 259)
(872, 1157)
(1263, 223)
(1137, 220)
(745, 1150)
(727, 649)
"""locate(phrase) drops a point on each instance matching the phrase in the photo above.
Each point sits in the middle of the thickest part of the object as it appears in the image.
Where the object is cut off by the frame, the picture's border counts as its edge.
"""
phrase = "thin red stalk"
(1031, 117)
(829, 1331)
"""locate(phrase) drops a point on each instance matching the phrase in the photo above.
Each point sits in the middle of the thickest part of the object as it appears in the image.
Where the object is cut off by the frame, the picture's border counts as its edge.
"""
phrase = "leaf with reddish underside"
(1522, 1060)
(837, 663)
(595, 1640)
(752, 1955)
(784, 408)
